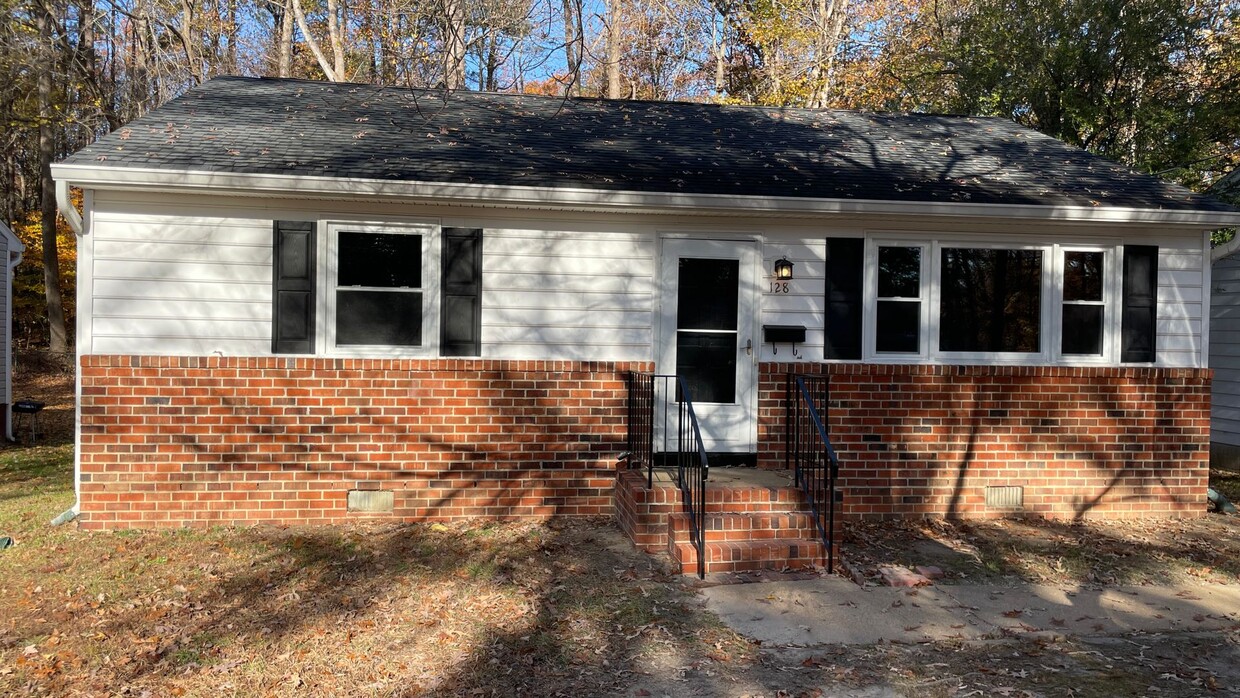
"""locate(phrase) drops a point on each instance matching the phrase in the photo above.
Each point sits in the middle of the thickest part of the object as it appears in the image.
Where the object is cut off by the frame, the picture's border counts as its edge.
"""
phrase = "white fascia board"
(602, 200)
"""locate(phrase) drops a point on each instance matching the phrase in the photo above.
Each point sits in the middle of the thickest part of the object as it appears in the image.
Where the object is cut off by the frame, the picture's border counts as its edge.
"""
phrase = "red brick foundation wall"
(177, 441)
(917, 441)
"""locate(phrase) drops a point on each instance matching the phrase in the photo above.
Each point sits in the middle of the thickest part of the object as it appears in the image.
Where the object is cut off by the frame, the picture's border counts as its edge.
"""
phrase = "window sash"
(429, 290)
(871, 299)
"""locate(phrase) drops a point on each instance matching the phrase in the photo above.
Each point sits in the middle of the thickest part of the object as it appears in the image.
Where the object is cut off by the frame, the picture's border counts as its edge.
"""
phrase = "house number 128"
(779, 287)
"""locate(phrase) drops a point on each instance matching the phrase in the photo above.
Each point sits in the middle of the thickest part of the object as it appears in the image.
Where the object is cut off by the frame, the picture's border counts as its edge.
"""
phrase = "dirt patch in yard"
(1162, 551)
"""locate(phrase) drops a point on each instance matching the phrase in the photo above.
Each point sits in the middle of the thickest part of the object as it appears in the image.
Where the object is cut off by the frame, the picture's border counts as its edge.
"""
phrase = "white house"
(294, 296)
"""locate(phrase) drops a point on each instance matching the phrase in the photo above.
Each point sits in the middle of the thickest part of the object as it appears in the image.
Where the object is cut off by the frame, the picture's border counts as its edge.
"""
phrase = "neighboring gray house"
(11, 253)
(1225, 354)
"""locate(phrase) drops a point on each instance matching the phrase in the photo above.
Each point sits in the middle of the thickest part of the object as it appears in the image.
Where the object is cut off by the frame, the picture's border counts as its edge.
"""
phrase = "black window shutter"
(461, 298)
(845, 263)
(293, 306)
(1139, 315)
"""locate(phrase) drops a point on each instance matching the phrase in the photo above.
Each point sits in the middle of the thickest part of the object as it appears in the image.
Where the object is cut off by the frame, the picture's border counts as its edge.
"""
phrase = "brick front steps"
(755, 519)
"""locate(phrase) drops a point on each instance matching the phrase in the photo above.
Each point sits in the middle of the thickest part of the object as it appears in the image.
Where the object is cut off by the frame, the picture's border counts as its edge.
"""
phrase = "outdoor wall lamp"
(783, 269)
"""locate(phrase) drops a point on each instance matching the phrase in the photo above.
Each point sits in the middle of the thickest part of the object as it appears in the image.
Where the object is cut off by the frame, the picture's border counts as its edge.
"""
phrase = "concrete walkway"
(831, 610)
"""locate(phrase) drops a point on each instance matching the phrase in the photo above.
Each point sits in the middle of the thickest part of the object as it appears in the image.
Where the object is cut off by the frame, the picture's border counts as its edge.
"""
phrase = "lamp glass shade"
(783, 270)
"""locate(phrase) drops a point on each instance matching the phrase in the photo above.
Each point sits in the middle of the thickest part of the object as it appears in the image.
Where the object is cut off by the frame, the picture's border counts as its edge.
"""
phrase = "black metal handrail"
(809, 449)
(641, 424)
(681, 447)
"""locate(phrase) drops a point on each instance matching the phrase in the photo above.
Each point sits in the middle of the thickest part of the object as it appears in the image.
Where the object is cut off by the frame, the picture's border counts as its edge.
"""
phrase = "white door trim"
(726, 428)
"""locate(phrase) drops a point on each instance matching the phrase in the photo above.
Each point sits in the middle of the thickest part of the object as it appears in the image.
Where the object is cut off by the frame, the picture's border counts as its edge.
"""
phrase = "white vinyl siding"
(1181, 275)
(567, 295)
(1225, 351)
(805, 303)
(191, 275)
(167, 284)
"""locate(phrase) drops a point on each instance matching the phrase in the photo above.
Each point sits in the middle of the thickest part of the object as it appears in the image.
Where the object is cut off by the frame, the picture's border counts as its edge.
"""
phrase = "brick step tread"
(738, 527)
(740, 494)
(751, 555)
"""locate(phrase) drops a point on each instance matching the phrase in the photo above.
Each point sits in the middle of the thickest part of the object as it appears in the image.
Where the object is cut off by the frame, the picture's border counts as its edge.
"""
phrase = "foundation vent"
(371, 501)
(1005, 497)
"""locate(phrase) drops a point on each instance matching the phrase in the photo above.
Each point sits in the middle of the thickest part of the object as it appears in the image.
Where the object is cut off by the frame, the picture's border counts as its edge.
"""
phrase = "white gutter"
(74, 219)
(67, 209)
(599, 200)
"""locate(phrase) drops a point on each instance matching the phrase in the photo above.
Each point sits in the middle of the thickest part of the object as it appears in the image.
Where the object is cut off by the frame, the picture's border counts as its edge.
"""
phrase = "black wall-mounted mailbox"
(783, 334)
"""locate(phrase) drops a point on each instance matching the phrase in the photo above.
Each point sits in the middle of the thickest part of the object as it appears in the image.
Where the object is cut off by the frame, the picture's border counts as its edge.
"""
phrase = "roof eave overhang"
(553, 198)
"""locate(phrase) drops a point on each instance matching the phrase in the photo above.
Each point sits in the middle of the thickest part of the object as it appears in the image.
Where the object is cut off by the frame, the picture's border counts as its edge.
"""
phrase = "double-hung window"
(381, 289)
(900, 299)
(972, 302)
(376, 289)
(1085, 300)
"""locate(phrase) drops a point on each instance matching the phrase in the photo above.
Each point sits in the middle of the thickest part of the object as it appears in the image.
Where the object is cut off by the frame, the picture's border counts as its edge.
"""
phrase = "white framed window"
(380, 289)
(965, 301)
(901, 305)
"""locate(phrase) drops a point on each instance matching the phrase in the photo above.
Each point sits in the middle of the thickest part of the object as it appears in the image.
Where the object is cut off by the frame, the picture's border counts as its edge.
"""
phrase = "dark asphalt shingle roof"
(271, 126)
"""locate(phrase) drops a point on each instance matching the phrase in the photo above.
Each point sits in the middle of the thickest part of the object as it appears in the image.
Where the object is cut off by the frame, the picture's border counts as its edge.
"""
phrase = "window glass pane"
(991, 300)
(707, 294)
(898, 327)
(707, 361)
(380, 259)
(1082, 276)
(1082, 329)
(391, 318)
(899, 272)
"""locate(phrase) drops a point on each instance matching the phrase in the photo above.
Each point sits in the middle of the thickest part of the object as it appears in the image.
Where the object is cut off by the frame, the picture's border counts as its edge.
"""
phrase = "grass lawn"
(357, 610)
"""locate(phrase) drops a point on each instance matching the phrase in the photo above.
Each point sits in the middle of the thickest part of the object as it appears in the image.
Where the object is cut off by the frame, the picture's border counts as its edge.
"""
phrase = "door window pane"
(707, 361)
(707, 294)
(991, 300)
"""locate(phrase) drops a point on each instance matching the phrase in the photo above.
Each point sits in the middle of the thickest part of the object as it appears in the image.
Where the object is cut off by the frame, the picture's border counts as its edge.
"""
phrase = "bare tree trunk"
(328, 69)
(284, 53)
(58, 340)
(572, 45)
(232, 37)
(92, 76)
(187, 41)
(613, 48)
(717, 46)
(829, 25)
(492, 62)
(336, 24)
(379, 49)
(454, 44)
